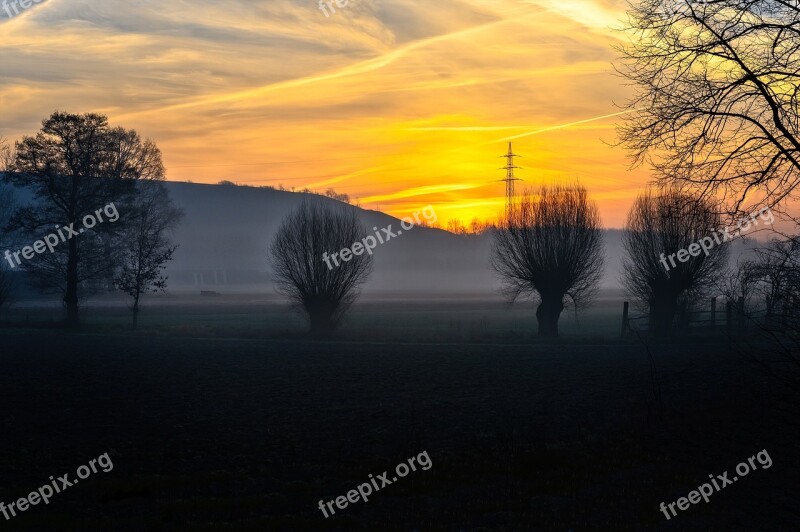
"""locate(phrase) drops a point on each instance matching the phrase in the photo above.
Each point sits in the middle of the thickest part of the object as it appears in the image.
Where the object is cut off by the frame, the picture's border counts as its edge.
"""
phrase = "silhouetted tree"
(456, 226)
(145, 243)
(331, 193)
(550, 247)
(6, 155)
(664, 226)
(75, 165)
(737, 285)
(321, 289)
(775, 276)
(477, 227)
(717, 100)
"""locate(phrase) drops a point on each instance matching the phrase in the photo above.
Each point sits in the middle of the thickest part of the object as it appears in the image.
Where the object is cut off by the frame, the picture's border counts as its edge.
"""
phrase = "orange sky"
(399, 103)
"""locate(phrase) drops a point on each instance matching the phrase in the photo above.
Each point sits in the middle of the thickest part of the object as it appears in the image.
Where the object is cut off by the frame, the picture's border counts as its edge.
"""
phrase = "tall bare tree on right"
(716, 104)
(550, 247)
(662, 226)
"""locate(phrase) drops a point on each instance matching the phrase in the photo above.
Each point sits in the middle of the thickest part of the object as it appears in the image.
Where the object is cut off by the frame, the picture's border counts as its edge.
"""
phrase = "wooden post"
(624, 319)
(713, 312)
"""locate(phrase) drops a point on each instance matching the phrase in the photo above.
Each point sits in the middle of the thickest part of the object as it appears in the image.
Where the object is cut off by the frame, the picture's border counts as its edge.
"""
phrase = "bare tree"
(716, 102)
(331, 193)
(74, 165)
(145, 243)
(774, 275)
(662, 226)
(456, 226)
(775, 272)
(6, 155)
(737, 285)
(323, 291)
(550, 247)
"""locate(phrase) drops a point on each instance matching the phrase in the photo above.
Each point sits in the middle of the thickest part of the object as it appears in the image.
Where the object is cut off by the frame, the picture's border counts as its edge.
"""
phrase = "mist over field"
(223, 243)
(224, 238)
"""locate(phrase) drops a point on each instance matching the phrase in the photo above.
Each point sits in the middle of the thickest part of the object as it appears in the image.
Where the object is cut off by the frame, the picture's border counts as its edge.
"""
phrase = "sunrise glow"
(398, 106)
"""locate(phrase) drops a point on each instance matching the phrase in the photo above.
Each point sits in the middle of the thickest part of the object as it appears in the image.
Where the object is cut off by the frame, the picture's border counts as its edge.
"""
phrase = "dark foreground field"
(226, 434)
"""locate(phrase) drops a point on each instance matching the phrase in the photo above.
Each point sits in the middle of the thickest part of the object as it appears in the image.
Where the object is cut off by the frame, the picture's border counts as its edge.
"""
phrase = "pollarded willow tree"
(550, 247)
(322, 291)
(665, 264)
(716, 106)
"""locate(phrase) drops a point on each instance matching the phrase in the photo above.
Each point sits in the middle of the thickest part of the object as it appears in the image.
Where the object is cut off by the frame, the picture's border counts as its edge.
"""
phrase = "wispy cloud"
(561, 126)
(393, 101)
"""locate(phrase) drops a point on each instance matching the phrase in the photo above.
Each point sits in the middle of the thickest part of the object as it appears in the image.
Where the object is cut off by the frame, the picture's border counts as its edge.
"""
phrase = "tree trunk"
(662, 315)
(135, 313)
(547, 315)
(321, 318)
(71, 293)
(321, 324)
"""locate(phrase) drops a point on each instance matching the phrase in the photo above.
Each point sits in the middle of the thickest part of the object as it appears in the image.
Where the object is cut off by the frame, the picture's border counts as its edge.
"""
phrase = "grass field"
(378, 317)
(219, 416)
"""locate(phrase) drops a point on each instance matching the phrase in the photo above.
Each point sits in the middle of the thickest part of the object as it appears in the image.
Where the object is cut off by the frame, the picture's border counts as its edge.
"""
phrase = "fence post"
(624, 319)
(713, 312)
(729, 315)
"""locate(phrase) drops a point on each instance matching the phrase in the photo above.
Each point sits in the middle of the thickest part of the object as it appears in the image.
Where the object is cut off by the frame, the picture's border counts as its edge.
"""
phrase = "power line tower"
(510, 179)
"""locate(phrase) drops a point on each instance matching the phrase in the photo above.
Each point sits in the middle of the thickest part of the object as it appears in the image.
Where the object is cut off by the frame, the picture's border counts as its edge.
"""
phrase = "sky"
(398, 103)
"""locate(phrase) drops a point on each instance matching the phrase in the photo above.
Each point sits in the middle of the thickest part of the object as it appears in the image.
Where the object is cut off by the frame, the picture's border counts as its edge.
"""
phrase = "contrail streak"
(562, 126)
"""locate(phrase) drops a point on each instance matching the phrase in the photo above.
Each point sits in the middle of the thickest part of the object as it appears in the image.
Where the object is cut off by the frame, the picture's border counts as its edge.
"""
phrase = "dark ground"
(225, 434)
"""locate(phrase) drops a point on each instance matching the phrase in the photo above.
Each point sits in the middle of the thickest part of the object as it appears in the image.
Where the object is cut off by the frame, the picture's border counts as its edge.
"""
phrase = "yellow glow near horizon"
(399, 104)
